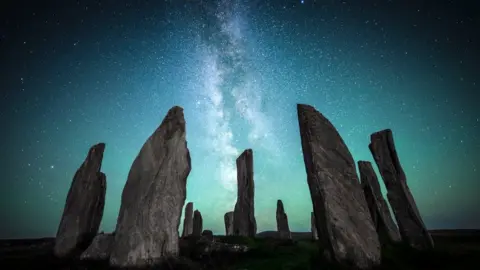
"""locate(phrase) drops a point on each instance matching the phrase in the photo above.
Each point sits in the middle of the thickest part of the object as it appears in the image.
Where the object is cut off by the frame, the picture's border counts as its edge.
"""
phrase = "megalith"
(228, 219)
(345, 227)
(244, 223)
(410, 224)
(282, 222)
(83, 207)
(188, 220)
(197, 224)
(153, 197)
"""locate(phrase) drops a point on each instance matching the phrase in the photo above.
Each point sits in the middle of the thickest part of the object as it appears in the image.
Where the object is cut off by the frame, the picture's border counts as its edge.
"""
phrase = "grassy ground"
(452, 251)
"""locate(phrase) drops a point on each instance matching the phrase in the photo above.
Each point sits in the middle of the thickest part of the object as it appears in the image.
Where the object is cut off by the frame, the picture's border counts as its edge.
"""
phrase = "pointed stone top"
(96, 150)
(304, 107)
(248, 151)
(190, 205)
(280, 206)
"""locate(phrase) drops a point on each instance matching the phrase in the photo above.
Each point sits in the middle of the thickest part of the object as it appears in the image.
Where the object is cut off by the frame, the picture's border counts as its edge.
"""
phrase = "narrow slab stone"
(282, 222)
(313, 227)
(99, 249)
(244, 223)
(345, 227)
(83, 207)
(188, 220)
(228, 219)
(410, 223)
(153, 197)
(386, 228)
(197, 223)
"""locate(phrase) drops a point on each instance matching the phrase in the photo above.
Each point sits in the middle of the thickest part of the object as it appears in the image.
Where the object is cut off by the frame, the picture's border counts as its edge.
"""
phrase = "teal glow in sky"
(110, 73)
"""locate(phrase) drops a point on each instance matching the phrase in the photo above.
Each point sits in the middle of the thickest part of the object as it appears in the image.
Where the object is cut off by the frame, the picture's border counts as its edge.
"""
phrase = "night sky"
(75, 73)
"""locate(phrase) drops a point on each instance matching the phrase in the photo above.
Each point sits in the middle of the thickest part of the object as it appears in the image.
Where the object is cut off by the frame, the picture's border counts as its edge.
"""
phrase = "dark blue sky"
(75, 73)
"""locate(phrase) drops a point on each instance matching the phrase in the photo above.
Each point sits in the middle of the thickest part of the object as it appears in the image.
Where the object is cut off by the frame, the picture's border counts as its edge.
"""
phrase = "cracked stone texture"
(386, 228)
(83, 207)
(282, 222)
(99, 249)
(197, 223)
(410, 224)
(345, 227)
(188, 220)
(228, 219)
(153, 197)
(244, 223)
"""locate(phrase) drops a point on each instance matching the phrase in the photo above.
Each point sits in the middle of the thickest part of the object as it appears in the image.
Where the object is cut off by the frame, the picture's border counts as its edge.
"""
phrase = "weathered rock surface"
(410, 223)
(83, 207)
(228, 219)
(343, 221)
(244, 223)
(197, 223)
(386, 228)
(313, 227)
(99, 249)
(153, 197)
(188, 220)
(282, 222)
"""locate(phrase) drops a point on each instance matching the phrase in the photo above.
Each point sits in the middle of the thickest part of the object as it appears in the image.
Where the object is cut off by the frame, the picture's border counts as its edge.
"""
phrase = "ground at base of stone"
(454, 249)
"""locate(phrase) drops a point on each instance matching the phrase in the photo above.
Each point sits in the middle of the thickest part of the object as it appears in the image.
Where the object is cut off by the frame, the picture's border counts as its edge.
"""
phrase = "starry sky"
(75, 73)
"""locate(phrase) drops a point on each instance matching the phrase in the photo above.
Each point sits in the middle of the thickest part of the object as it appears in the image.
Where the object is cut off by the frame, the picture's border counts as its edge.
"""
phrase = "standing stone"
(153, 197)
(197, 223)
(228, 218)
(282, 222)
(410, 224)
(244, 223)
(188, 220)
(83, 207)
(208, 235)
(313, 227)
(386, 228)
(342, 218)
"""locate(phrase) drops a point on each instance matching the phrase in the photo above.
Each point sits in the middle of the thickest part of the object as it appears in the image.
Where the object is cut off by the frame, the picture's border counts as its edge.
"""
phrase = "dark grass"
(452, 251)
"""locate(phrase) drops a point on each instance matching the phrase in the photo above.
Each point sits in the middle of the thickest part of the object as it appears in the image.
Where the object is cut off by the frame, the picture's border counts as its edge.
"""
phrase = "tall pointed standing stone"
(153, 197)
(197, 224)
(228, 218)
(343, 221)
(244, 223)
(83, 207)
(188, 220)
(282, 222)
(410, 223)
(386, 228)
(313, 227)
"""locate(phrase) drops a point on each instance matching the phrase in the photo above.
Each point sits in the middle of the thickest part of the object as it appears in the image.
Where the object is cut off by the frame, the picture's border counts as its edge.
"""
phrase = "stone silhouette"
(99, 249)
(83, 207)
(386, 228)
(342, 218)
(282, 222)
(313, 227)
(410, 224)
(197, 223)
(244, 223)
(228, 219)
(153, 197)
(188, 220)
(208, 235)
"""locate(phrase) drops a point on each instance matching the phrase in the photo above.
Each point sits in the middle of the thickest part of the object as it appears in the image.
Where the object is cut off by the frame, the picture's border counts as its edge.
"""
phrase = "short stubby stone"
(188, 220)
(345, 227)
(282, 222)
(410, 224)
(153, 197)
(83, 207)
(197, 224)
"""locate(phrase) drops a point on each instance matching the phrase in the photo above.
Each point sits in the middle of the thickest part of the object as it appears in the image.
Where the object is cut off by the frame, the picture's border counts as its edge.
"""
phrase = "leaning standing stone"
(342, 217)
(153, 197)
(84, 206)
(410, 223)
